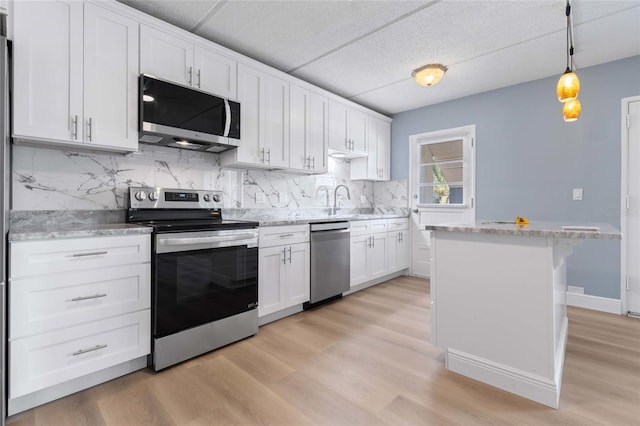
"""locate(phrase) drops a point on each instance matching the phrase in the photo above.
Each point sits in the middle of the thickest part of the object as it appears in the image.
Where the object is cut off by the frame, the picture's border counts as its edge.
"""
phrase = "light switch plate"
(260, 199)
(577, 194)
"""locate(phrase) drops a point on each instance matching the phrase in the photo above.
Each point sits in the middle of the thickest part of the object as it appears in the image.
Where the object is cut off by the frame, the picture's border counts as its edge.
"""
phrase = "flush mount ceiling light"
(568, 86)
(429, 75)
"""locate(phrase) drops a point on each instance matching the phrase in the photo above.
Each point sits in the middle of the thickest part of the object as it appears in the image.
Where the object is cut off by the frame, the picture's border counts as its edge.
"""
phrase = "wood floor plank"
(366, 359)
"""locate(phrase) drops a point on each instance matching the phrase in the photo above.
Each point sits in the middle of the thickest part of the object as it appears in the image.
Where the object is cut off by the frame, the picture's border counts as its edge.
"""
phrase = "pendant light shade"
(568, 86)
(571, 110)
(429, 75)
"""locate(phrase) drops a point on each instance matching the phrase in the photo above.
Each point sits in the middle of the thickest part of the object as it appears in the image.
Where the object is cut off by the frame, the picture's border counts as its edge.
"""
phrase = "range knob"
(206, 197)
(216, 198)
(141, 196)
(153, 196)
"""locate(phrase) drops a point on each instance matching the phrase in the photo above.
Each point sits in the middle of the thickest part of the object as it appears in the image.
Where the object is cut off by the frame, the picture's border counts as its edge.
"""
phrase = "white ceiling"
(365, 50)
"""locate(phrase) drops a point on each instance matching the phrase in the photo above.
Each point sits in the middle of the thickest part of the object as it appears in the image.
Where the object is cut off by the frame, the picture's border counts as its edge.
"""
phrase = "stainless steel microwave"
(183, 117)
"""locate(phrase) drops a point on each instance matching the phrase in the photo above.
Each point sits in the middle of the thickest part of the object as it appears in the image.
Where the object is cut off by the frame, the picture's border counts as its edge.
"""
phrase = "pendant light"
(568, 86)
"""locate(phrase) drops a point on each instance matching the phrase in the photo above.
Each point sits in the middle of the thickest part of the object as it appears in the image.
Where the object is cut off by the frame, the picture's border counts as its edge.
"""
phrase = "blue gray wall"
(528, 159)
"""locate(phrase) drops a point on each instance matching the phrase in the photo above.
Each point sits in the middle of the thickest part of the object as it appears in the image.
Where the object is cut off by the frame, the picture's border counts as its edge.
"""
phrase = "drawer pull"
(93, 253)
(286, 235)
(84, 351)
(95, 296)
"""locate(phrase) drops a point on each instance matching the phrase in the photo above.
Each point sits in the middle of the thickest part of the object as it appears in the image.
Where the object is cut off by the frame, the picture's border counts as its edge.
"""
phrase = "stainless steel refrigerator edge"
(4, 193)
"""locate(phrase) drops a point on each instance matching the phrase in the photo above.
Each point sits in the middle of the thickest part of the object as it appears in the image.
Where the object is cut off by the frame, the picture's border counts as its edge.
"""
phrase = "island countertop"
(602, 231)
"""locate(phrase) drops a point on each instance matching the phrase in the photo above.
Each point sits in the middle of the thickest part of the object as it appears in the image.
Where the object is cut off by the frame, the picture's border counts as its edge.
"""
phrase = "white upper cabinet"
(76, 68)
(377, 164)
(347, 130)
(264, 127)
(309, 128)
(172, 58)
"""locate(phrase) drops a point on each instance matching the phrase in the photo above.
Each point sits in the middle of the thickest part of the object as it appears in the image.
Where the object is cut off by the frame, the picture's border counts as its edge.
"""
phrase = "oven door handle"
(192, 243)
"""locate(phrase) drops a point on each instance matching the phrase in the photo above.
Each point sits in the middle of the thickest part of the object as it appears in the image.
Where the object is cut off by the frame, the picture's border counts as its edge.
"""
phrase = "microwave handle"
(227, 114)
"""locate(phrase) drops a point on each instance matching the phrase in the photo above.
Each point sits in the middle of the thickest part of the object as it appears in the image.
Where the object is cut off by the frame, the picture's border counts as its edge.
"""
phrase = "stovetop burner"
(180, 210)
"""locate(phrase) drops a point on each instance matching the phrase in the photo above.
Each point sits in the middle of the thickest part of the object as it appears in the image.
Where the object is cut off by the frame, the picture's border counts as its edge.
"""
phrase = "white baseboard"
(596, 303)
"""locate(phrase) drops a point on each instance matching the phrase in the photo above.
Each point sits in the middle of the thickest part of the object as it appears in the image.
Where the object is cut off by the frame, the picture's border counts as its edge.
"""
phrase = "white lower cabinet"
(283, 268)
(77, 306)
(398, 253)
(368, 250)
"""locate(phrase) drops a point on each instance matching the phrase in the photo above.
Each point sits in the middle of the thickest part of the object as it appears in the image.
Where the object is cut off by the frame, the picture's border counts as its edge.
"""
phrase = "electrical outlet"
(577, 194)
(260, 199)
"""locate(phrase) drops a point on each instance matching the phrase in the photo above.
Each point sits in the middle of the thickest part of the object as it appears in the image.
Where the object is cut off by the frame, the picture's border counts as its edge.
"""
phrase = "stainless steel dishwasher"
(330, 261)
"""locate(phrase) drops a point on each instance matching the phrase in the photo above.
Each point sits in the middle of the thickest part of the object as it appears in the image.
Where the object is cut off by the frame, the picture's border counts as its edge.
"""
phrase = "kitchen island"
(498, 302)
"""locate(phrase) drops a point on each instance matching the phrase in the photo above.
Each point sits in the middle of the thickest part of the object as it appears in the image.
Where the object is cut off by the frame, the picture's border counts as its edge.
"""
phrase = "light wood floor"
(364, 360)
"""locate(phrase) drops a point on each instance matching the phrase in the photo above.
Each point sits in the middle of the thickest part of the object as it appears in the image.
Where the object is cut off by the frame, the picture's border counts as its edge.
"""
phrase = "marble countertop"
(605, 231)
(44, 232)
(275, 221)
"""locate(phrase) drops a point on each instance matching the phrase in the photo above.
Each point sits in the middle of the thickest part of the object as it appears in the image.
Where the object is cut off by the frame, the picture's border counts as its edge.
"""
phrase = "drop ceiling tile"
(287, 34)
(181, 13)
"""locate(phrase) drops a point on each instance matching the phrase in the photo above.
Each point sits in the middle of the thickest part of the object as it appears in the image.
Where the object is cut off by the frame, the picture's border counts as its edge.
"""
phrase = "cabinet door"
(403, 250)
(47, 46)
(393, 247)
(373, 171)
(378, 256)
(110, 78)
(271, 279)
(338, 136)
(359, 259)
(215, 73)
(165, 56)
(358, 131)
(298, 274)
(249, 95)
(317, 131)
(384, 149)
(275, 113)
(298, 111)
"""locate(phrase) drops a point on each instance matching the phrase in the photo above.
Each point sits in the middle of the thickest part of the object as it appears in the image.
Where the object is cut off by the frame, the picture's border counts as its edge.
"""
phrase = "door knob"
(415, 210)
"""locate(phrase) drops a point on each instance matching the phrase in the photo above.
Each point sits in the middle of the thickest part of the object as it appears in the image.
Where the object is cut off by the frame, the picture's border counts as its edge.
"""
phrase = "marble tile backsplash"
(53, 179)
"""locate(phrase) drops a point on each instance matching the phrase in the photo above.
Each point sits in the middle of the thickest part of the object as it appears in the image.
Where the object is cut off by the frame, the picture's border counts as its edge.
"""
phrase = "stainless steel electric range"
(204, 272)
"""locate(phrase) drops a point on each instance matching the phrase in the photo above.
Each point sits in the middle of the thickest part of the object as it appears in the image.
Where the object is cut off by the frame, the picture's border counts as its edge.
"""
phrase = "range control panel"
(162, 198)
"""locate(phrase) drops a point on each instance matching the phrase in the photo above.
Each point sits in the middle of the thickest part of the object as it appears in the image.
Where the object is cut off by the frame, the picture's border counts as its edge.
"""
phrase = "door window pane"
(441, 173)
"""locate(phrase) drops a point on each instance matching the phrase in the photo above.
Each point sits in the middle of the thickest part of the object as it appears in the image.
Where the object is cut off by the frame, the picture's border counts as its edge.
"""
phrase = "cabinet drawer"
(271, 236)
(397, 224)
(28, 258)
(48, 359)
(45, 303)
(371, 226)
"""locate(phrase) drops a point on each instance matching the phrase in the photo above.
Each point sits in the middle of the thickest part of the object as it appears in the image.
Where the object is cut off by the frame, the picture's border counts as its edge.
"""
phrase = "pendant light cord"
(569, 37)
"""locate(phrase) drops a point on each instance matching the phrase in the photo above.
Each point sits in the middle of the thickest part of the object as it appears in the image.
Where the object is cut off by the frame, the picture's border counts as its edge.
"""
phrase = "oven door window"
(193, 288)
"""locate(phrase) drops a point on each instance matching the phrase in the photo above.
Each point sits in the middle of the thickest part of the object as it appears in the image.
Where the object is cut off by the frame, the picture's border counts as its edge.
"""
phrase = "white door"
(359, 259)
(358, 131)
(47, 101)
(275, 121)
(441, 186)
(384, 150)
(403, 250)
(165, 56)
(631, 238)
(378, 255)
(249, 95)
(271, 278)
(298, 112)
(110, 78)
(215, 73)
(298, 274)
(338, 137)
(317, 131)
(393, 244)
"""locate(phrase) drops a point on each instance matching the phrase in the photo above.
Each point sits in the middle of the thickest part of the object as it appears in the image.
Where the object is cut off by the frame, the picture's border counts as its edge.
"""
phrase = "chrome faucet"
(335, 193)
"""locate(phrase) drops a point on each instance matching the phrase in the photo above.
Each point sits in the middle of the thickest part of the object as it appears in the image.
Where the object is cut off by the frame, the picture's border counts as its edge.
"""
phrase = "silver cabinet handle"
(286, 235)
(198, 77)
(353, 145)
(93, 253)
(269, 155)
(84, 351)
(346, 143)
(190, 72)
(373, 241)
(89, 124)
(284, 255)
(289, 254)
(74, 132)
(313, 162)
(369, 242)
(95, 296)
(261, 155)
